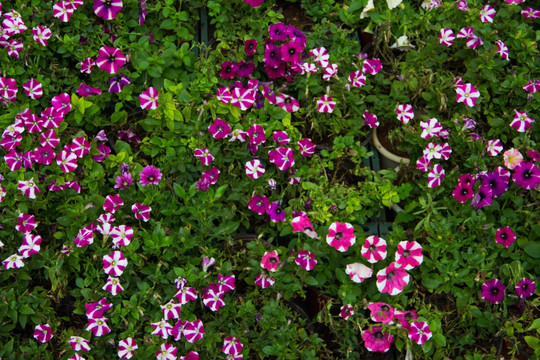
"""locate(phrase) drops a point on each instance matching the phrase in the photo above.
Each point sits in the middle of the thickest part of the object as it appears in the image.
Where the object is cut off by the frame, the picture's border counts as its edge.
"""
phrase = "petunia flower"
(78, 343)
(330, 71)
(530, 13)
(357, 79)
(259, 204)
(532, 86)
(113, 286)
(341, 236)
(525, 288)
(207, 262)
(112, 203)
(371, 66)
(291, 52)
(150, 175)
(110, 59)
(522, 122)
(527, 175)
(321, 56)
(487, 14)
(30, 245)
(62, 11)
(244, 69)
(377, 340)
(28, 188)
(419, 332)
(307, 147)
(512, 158)
(370, 119)
(278, 32)
(114, 263)
(43, 333)
(242, 98)
(482, 198)
(107, 9)
(26, 223)
(493, 291)
(276, 212)
(126, 348)
(204, 156)
(467, 94)
(405, 113)
(381, 312)
(409, 254)
(505, 236)
(281, 157)
(306, 260)
(250, 46)
(149, 99)
(346, 311)
(219, 129)
(270, 261)
(263, 280)
(325, 104)
(186, 294)
(194, 331)
(463, 192)
(405, 318)
(272, 55)
(494, 147)
(226, 283)
(254, 169)
(502, 49)
(117, 83)
(232, 346)
(287, 103)
(374, 249)
(435, 176)
(392, 279)
(33, 89)
(141, 211)
(167, 352)
(446, 37)
(13, 262)
(358, 272)
(98, 326)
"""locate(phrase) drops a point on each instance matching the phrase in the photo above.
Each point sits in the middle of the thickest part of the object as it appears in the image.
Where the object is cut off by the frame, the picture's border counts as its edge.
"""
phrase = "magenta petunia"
(377, 340)
(306, 260)
(325, 104)
(276, 212)
(263, 280)
(150, 175)
(505, 236)
(259, 204)
(381, 312)
(493, 291)
(62, 11)
(270, 261)
(232, 346)
(141, 211)
(219, 129)
(194, 331)
(254, 169)
(371, 66)
(26, 223)
(522, 122)
(321, 56)
(67, 161)
(113, 286)
(167, 352)
(79, 343)
(341, 236)
(419, 332)
(33, 89)
(126, 348)
(527, 175)
(467, 94)
(435, 176)
(149, 99)
(409, 254)
(307, 147)
(525, 288)
(114, 263)
(446, 37)
(370, 119)
(357, 79)
(346, 311)
(281, 157)
(30, 245)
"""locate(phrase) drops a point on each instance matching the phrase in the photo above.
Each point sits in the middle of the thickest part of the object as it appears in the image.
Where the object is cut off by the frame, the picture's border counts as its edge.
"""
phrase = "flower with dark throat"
(227, 70)
(291, 52)
(250, 47)
(482, 198)
(493, 291)
(107, 9)
(505, 236)
(526, 175)
(278, 32)
(496, 183)
(150, 175)
(275, 212)
(272, 55)
(525, 288)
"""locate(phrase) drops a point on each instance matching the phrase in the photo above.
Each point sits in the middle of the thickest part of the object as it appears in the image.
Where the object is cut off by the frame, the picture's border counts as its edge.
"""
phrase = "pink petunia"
(204, 156)
(358, 272)
(219, 129)
(113, 286)
(162, 328)
(522, 122)
(167, 352)
(213, 298)
(374, 249)
(306, 260)
(502, 49)
(419, 332)
(357, 79)
(33, 89)
(270, 261)
(435, 176)
(321, 56)
(111, 59)
(114, 263)
(141, 211)
(62, 11)
(446, 37)
(282, 157)
(194, 331)
(404, 113)
(126, 348)
(409, 254)
(346, 311)
(263, 280)
(370, 119)
(532, 86)
(242, 98)
(287, 103)
(254, 169)
(487, 14)
(307, 147)
(494, 147)
(325, 104)
(467, 94)
(371, 66)
(112, 203)
(392, 279)
(79, 343)
(98, 326)
(43, 333)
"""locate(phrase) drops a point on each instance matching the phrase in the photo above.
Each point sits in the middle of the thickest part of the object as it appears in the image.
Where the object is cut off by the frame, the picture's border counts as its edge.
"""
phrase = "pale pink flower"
(512, 158)
(358, 272)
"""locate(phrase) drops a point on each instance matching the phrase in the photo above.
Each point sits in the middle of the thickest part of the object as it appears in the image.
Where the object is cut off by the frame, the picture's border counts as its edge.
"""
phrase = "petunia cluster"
(494, 290)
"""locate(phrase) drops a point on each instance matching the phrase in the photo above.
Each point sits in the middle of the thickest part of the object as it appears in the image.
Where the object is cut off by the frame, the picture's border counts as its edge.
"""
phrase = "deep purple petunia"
(275, 212)
(110, 59)
(244, 69)
(142, 12)
(227, 70)
(107, 9)
(278, 32)
(296, 35)
(250, 47)
(275, 73)
(87, 90)
(272, 55)
(525, 288)
(254, 3)
(482, 198)
(526, 175)
(117, 83)
(496, 183)
(493, 291)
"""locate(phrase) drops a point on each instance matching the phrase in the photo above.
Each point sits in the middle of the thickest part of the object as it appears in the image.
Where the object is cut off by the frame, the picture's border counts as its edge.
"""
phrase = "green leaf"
(179, 191)
(439, 340)
(26, 310)
(533, 250)
(533, 342)
(534, 325)
(220, 191)
(357, 5)
(310, 280)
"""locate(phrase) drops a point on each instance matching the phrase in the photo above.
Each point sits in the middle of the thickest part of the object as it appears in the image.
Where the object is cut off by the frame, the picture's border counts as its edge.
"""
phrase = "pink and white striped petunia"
(281, 157)
(306, 260)
(419, 332)
(358, 272)
(149, 98)
(171, 310)
(330, 71)
(28, 188)
(62, 11)
(502, 49)
(79, 343)
(263, 280)
(487, 14)
(204, 156)
(110, 59)
(467, 94)
(465, 33)
(167, 352)
(113, 203)
(435, 176)
(14, 47)
(242, 98)
(530, 13)
(162, 328)
(474, 41)
(325, 104)
(532, 86)
(33, 89)
(30, 245)
(287, 103)
(357, 79)
(87, 64)
(98, 326)
(307, 147)
(409, 254)
(232, 346)
(445, 151)
(113, 286)
(494, 147)
(370, 119)
(126, 348)
(224, 95)
(341, 236)
(213, 298)
(423, 163)
(219, 129)
(404, 113)
(185, 294)
(374, 249)
(121, 235)
(194, 331)
(26, 223)
(522, 122)
(392, 279)
(371, 66)
(43, 333)
(446, 37)
(321, 56)
(80, 146)
(254, 169)
(114, 263)
(41, 34)
(13, 262)
(141, 211)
